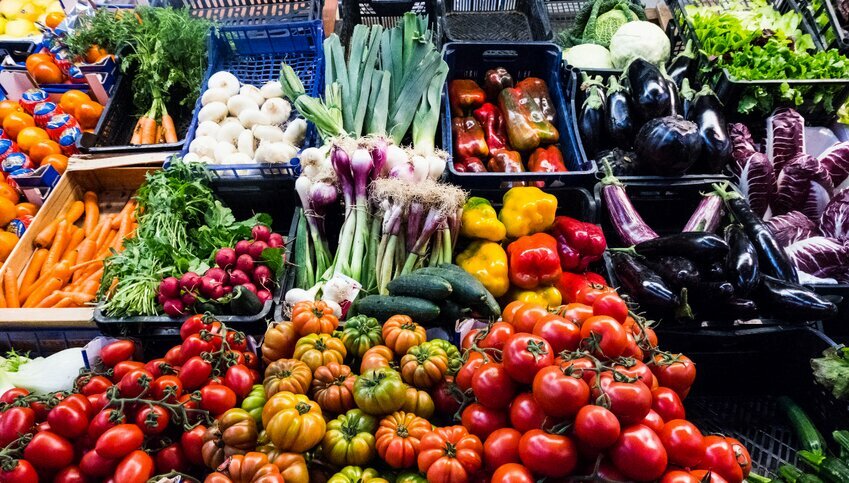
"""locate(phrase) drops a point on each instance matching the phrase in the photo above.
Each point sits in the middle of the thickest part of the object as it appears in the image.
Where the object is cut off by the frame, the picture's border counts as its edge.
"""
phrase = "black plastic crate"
(18, 49)
(561, 13)
(831, 31)
(248, 12)
(731, 91)
(543, 60)
(273, 196)
(387, 13)
(494, 20)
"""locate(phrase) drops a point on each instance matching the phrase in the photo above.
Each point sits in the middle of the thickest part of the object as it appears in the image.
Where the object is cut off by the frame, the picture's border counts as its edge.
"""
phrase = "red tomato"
(653, 421)
(95, 385)
(105, 419)
(635, 368)
(194, 345)
(561, 333)
(80, 402)
(744, 459)
(194, 325)
(512, 473)
(632, 349)
(678, 476)
(629, 401)
(167, 385)
(171, 458)
(588, 294)
(577, 313)
(217, 398)
(236, 340)
(526, 414)
(502, 447)
(98, 401)
(11, 394)
(702, 476)
(136, 467)
(174, 356)
(583, 367)
(524, 355)
(509, 312)
(496, 335)
(611, 305)
(639, 454)
(251, 360)
(469, 338)
(720, 458)
(604, 336)
(119, 441)
(134, 382)
(94, 465)
(482, 421)
(474, 359)
(235, 357)
(122, 368)
(492, 385)
(443, 398)
(527, 316)
(667, 404)
(49, 451)
(644, 334)
(560, 395)
(676, 372)
(195, 373)
(596, 427)
(548, 454)
(159, 367)
(121, 350)
(571, 283)
(192, 441)
(684, 443)
(152, 419)
(239, 379)
(71, 474)
(22, 472)
(14, 422)
(68, 420)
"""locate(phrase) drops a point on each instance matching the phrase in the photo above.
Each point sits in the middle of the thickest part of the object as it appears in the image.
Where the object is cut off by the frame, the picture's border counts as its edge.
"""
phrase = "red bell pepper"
(469, 141)
(495, 81)
(578, 243)
(534, 261)
(570, 284)
(493, 125)
(505, 161)
(538, 89)
(470, 165)
(527, 126)
(464, 96)
(547, 160)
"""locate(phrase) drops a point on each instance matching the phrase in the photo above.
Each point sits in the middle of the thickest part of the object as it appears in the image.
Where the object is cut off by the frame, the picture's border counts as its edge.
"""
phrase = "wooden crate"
(114, 186)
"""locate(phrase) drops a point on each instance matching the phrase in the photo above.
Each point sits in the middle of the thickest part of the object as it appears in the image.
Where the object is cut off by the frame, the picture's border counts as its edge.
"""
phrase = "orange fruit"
(88, 113)
(42, 149)
(29, 136)
(15, 122)
(54, 19)
(11, 194)
(8, 212)
(7, 106)
(71, 99)
(25, 209)
(58, 161)
(95, 53)
(35, 59)
(47, 73)
(8, 240)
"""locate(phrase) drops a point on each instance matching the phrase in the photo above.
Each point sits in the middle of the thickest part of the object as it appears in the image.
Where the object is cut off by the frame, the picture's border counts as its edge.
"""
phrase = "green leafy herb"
(832, 371)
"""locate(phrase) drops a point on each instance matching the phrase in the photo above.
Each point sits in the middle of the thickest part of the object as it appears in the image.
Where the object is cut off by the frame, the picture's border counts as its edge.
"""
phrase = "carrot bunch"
(67, 265)
(149, 131)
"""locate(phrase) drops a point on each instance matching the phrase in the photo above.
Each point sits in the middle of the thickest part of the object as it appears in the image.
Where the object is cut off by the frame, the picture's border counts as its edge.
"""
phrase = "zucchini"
(809, 478)
(244, 302)
(208, 308)
(381, 307)
(809, 437)
(467, 290)
(430, 287)
(827, 468)
(790, 473)
(842, 440)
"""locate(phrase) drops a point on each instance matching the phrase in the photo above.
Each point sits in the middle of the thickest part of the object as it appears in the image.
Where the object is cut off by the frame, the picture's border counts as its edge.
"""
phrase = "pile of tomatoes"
(586, 391)
(134, 419)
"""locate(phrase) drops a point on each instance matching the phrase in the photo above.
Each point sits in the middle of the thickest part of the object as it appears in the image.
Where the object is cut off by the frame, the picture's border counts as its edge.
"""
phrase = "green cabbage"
(588, 56)
(607, 25)
(639, 39)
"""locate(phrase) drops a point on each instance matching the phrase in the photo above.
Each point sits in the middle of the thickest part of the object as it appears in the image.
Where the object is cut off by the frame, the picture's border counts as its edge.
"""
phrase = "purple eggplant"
(741, 265)
(592, 118)
(716, 145)
(618, 117)
(625, 219)
(649, 90)
(708, 214)
(697, 245)
(640, 282)
(668, 146)
(683, 66)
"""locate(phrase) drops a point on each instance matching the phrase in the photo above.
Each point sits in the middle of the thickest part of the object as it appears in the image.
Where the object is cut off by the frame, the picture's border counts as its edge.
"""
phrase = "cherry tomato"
(604, 336)
(49, 451)
(512, 473)
(217, 398)
(524, 355)
(22, 472)
(482, 421)
(239, 379)
(629, 401)
(95, 385)
(192, 441)
(171, 458)
(639, 454)
(105, 419)
(68, 419)
(121, 350)
(496, 335)
(502, 447)
(611, 305)
(174, 356)
(493, 386)
(195, 372)
(561, 333)
(653, 421)
(667, 404)
(509, 312)
(560, 395)
(676, 372)
(96, 466)
(195, 345)
(527, 316)
(15, 422)
(474, 359)
(136, 467)
(152, 419)
(119, 441)
(684, 443)
(251, 360)
(71, 474)
(193, 325)
(165, 385)
(526, 413)
(720, 458)
(548, 454)
(596, 427)
(122, 368)
(11, 394)
(236, 340)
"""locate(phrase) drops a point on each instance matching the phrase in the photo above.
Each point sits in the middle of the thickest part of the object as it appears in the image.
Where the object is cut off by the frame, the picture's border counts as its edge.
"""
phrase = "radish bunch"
(239, 265)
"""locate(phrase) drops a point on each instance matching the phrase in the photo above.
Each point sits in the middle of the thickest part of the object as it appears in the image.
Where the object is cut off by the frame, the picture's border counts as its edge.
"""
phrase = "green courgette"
(790, 473)
(467, 290)
(842, 440)
(381, 307)
(809, 437)
(809, 478)
(430, 287)
(244, 302)
(827, 468)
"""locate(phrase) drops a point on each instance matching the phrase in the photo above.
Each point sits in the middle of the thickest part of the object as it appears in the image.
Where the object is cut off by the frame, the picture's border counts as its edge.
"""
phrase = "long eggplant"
(678, 272)
(642, 283)
(618, 117)
(716, 145)
(675, 107)
(649, 89)
(708, 214)
(627, 222)
(592, 119)
(697, 245)
(791, 301)
(772, 259)
(683, 66)
(741, 265)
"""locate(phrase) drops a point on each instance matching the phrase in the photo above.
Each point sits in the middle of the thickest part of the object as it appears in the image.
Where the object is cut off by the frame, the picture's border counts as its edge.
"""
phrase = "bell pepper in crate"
(527, 210)
(495, 81)
(527, 126)
(505, 161)
(570, 284)
(538, 89)
(547, 160)
(578, 243)
(492, 122)
(487, 262)
(470, 165)
(465, 95)
(548, 296)
(479, 220)
(534, 261)
(469, 141)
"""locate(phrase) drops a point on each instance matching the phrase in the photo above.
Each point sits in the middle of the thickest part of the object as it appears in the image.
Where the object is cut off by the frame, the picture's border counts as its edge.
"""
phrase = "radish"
(162, 298)
(173, 307)
(262, 276)
(250, 287)
(188, 299)
(170, 287)
(225, 258)
(207, 286)
(218, 274)
(263, 295)
(242, 247)
(217, 292)
(256, 248)
(261, 233)
(190, 281)
(228, 289)
(239, 277)
(276, 241)
(245, 263)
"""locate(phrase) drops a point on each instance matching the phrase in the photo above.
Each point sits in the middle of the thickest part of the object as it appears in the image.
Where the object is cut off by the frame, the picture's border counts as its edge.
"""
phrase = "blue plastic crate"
(538, 59)
(254, 54)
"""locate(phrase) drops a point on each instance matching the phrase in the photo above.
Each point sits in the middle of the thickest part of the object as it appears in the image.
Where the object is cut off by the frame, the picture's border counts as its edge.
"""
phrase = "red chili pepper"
(547, 160)
(493, 126)
(469, 141)
(570, 283)
(464, 96)
(578, 243)
(505, 161)
(534, 261)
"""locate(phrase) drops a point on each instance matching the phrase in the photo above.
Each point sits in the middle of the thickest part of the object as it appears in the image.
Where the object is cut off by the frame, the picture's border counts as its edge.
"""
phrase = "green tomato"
(379, 391)
(254, 403)
(349, 439)
(354, 474)
(360, 334)
(455, 359)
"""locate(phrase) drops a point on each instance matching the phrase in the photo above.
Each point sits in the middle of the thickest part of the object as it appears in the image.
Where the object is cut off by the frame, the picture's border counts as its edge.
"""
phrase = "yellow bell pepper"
(487, 262)
(545, 296)
(527, 210)
(480, 220)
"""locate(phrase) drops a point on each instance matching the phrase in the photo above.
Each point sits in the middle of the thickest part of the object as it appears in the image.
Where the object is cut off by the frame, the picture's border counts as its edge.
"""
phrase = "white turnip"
(224, 80)
(245, 263)
(225, 258)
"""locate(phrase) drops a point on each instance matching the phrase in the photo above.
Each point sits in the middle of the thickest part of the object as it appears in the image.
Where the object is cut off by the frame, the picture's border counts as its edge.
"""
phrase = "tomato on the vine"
(583, 367)
(496, 335)
(192, 443)
(251, 360)
(68, 419)
(136, 467)
(174, 356)
(237, 341)
(526, 413)
(527, 316)
(474, 359)
(561, 333)
(121, 350)
(469, 339)
(547, 454)
(524, 355)
(134, 382)
(638, 369)
(653, 421)
(667, 404)
(119, 441)
(502, 447)
(629, 401)
(481, 420)
(165, 385)
(443, 397)
(15, 422)
(684, 443)
(639, 454)
(597, 427)
(194, 324)
(559, 394)
(217, 398)
(676, 372)
(509, 311)
(576, 313)
(744, 459)
(195, 345)
(96, 466)
(152, 419)
(239, 379)
(492, 386)
(611, 305)
(95, 385)
(102, 421)
(49, 451)
(720, 457)
(159, 367)
(122, 368)
(604, 336)
(195, 373)
(22, 472)
(10, 395)
(171, 458)
(71, 474)
(588, 294)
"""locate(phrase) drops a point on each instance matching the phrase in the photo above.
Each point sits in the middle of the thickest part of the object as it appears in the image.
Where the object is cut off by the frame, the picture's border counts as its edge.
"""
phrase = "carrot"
(64, 303)
(49, 286)
(124, 230)
(77, 235)
(85, 251)
(46, 235)
(71, 258)
(128, 208)
(75, 211)
(92, 212)
(10, 289)
(60, 271)
(50, 300)
(2, 298)
(79, 298)
(34, 268)
(168, 128)
(90, 287)
(148, 130)
(104, 232)
(58, 246)
(136, 139)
